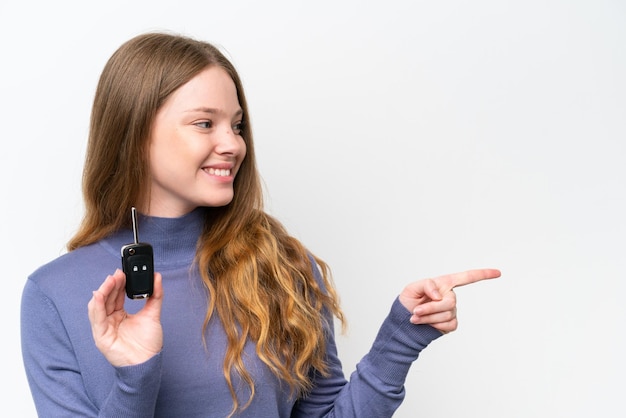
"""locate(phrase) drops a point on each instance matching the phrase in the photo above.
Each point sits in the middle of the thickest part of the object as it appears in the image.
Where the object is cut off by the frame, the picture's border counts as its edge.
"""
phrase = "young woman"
(240, 321)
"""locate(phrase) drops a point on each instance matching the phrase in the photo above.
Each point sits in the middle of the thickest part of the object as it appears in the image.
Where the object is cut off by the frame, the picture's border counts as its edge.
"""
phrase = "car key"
(138, 265)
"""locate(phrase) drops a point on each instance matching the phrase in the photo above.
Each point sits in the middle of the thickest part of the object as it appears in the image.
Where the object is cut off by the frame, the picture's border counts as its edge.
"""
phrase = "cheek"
(243, 152)
(166, 159)
(171, 150)
(158, 158)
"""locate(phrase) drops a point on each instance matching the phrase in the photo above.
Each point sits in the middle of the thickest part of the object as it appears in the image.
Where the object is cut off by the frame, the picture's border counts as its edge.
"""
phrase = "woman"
(240, 321)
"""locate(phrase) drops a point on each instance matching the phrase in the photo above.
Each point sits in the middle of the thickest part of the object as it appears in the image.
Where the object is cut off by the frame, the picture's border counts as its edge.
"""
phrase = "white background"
(399, 140)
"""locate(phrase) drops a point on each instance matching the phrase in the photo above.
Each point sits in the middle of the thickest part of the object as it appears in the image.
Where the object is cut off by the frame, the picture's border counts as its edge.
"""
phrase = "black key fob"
(138, 265)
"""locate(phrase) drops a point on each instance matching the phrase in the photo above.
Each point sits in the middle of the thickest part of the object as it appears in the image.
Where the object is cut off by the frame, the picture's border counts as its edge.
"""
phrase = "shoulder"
(77, 271)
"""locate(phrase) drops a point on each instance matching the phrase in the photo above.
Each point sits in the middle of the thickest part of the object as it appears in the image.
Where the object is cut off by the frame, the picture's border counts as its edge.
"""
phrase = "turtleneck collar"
(174, 240)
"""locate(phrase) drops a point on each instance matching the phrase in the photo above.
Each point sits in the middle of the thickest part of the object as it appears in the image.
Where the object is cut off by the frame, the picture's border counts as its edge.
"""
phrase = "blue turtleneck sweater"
(69, 377)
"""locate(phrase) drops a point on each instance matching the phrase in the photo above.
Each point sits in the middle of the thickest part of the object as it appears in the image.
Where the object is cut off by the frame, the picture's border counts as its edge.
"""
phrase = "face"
(196, 147)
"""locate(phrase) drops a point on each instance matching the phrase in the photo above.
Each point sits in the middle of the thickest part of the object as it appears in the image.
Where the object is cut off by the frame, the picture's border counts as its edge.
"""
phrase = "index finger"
(467, 277)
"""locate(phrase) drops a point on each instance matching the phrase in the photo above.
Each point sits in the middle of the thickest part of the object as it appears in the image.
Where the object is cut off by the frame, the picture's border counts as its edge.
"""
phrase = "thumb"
(155, 301)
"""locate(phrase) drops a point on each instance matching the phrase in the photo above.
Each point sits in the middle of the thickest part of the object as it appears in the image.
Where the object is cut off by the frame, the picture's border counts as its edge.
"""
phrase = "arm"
(376, 387)
(424, 311)
(57, 374)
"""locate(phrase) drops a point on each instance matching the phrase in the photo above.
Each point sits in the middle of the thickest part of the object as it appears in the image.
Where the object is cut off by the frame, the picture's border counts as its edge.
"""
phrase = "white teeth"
(222, 172)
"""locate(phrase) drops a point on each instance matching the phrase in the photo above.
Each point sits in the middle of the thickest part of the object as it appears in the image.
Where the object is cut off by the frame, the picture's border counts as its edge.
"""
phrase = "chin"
(216, 203)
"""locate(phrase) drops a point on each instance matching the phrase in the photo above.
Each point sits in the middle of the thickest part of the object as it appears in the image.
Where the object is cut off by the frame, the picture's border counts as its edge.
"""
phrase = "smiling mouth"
(220, 172)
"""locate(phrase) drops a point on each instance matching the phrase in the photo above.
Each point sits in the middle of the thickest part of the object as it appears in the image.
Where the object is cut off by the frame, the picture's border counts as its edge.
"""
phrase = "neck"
(174, 240)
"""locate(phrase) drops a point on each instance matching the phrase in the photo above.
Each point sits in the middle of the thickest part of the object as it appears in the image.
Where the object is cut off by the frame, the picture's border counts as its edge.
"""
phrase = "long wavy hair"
(261, 280)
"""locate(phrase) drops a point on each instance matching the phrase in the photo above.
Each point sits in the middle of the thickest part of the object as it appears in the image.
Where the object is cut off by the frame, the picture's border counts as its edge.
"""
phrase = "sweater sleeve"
(55, 375)
(376, 387)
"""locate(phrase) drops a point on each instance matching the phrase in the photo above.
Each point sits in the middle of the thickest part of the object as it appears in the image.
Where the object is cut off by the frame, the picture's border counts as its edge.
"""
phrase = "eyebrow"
(213, 110)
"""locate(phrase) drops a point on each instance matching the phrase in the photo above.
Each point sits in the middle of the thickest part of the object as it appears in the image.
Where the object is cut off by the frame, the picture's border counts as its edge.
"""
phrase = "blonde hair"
(261, 280)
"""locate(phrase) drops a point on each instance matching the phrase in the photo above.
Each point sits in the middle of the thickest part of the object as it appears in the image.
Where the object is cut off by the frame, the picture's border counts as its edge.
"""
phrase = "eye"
(205, 124)
(238, 128)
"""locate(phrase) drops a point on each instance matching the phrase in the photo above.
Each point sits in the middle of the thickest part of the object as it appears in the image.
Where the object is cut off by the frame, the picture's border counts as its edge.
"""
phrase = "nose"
(229, 143)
